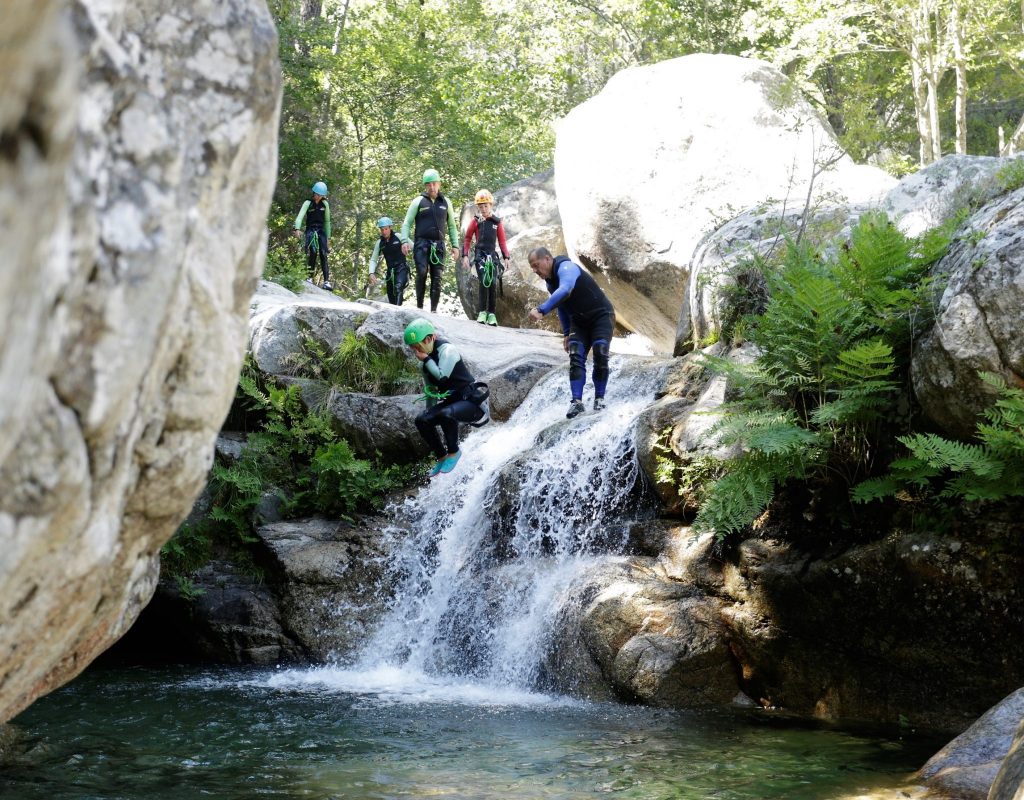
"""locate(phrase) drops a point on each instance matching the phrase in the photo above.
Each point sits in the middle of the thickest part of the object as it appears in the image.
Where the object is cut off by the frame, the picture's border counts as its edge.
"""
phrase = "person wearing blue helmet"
(389, 245)
(316, 214)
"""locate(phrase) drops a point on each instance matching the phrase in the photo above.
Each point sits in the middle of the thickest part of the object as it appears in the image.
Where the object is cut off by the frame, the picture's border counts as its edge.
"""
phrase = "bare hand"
(420, 355)
(406, 248)
(535, 315)
(565, 342)
(465, 262)
(298, 233)
(373, 280)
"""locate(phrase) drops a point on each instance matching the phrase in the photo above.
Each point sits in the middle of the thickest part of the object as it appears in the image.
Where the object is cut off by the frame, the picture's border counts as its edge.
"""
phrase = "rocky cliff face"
(137, 153)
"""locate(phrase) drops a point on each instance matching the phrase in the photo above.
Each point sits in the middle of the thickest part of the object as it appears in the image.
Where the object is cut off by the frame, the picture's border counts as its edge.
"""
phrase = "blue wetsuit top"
(585, 301)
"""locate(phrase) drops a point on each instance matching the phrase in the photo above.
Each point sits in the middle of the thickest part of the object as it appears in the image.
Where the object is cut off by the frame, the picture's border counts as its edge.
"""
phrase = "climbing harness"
(487, 272)
(430, 393)
(435, 259)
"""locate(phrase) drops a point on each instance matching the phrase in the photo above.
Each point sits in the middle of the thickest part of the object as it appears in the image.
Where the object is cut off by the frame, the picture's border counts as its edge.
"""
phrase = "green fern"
(819, 402)
(991, 469)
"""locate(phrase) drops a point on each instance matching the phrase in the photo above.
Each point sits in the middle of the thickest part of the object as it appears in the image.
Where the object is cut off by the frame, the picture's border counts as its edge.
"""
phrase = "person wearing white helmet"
(316, 214)
(433, 216)
(389, 245)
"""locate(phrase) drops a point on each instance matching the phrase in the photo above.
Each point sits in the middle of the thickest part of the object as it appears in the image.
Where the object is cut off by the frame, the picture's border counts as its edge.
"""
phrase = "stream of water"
(445, 700)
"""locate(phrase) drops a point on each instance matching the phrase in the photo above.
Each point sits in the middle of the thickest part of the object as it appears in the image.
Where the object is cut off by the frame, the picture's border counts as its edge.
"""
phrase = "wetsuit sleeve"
(447, 358)
(410, 218)
(302, 216)
(567, 275)
(470, 233)
(501, 240)
(327, 219)
(453, 228)
(433, 369)
(374, 257)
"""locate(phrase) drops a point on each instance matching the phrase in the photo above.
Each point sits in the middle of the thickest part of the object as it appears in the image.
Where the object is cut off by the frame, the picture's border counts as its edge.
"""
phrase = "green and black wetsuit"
(317, 217)
(449, 388)
(431, 218)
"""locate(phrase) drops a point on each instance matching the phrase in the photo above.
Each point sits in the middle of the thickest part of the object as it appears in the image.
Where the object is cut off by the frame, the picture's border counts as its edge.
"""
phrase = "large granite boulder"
(720, 271)
(966, 768)
(310, 590)
(695, 140)
(902, 626)
(632, 632)
(978, 320)
(528, 210)
(125, 313)
(1009, 782)
(329, 581)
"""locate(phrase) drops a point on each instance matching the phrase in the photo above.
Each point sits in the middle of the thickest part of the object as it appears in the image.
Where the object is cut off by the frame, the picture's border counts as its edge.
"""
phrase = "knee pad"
(600, 358)
(577, 359)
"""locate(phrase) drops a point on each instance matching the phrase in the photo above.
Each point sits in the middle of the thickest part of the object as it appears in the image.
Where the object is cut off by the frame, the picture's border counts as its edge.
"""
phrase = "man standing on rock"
(432, 214)
(587, 318)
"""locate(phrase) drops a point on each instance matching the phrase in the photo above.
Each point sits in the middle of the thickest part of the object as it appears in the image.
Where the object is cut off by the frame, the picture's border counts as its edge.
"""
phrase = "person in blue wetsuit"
(587, 318)
(453, 396)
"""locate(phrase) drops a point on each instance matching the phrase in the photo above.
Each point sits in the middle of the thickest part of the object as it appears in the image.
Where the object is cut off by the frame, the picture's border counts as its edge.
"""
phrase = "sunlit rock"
(151, 156)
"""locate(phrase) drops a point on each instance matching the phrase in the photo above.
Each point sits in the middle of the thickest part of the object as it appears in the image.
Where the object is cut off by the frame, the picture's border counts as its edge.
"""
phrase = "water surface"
(328, 733)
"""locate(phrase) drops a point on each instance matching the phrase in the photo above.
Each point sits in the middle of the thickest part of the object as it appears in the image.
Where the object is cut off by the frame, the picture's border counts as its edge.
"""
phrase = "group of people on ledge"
(452, 394)
(430, 219)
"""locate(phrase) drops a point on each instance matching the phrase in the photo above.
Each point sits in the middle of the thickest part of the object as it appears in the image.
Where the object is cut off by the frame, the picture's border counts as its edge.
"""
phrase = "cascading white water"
(485, 555)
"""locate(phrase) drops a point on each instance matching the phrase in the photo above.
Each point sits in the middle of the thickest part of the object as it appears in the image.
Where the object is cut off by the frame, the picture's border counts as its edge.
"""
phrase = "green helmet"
(418, 330)
(431, 175)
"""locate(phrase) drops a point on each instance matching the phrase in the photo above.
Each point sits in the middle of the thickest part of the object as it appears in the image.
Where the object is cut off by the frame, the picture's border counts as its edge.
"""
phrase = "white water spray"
(490, 550)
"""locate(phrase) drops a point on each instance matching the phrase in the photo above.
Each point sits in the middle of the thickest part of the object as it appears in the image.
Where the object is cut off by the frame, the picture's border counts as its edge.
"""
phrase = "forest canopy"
(376, 91)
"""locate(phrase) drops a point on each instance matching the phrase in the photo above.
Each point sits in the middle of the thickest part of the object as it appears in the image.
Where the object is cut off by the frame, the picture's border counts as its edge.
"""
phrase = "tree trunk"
(1012, 147)
(920, 103)
(956, 29)
(311, 9)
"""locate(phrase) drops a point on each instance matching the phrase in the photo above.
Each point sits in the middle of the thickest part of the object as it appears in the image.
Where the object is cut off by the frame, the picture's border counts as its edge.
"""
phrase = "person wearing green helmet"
(389, 245)
(433, 216)
(452, 394)
(316, 213)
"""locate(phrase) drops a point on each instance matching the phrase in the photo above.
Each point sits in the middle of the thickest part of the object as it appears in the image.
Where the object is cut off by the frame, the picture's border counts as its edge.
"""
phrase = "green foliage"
(293, 454)
(286, 265)
(356, 365)
(833, 345)
(1011, 176)
(992, 469)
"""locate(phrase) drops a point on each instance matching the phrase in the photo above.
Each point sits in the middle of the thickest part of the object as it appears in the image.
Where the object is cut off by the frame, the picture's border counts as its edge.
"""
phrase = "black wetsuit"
(397, 275)
(428, 248)
(458, 405)
(587, 318)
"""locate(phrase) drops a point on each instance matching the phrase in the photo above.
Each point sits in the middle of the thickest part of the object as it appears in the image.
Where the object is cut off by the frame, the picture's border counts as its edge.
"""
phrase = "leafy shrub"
(294, 453)
(820, 401)
(356, 365)
(991, 469)
(286, 265)
(1011, 176)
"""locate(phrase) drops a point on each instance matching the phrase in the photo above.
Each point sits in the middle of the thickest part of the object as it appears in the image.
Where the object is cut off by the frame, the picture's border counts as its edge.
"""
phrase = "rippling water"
(330, 733)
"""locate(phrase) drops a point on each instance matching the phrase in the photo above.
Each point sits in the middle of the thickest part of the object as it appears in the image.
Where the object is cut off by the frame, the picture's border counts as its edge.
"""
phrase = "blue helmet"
(320, 188)
(385, 222)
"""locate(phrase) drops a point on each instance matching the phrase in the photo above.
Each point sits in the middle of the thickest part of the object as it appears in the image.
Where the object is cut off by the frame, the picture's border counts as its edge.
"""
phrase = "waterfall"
(483, 557)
